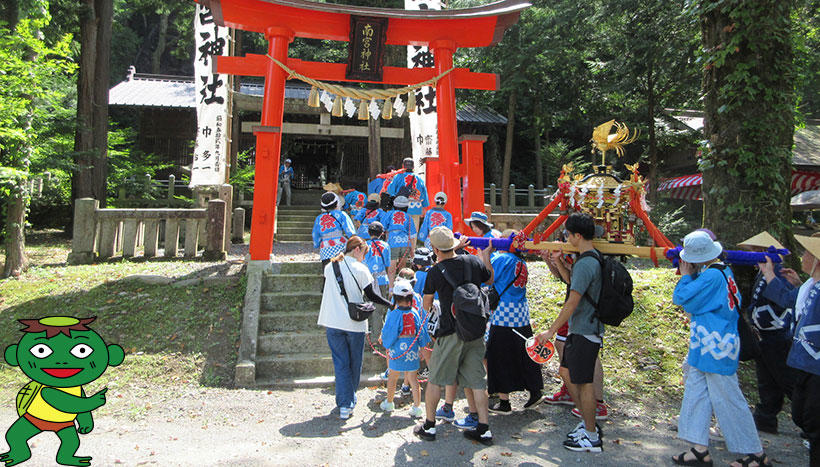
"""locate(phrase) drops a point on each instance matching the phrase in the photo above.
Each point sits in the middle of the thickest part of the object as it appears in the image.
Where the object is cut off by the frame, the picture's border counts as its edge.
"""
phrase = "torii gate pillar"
(269, 145)
(443, 51)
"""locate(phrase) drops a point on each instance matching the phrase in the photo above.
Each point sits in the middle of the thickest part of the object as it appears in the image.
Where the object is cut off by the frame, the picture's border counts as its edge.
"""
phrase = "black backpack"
(471, 306)
(615, 301)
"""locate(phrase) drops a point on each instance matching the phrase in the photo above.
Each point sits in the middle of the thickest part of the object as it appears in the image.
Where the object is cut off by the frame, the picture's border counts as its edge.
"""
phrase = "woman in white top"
(345, 337)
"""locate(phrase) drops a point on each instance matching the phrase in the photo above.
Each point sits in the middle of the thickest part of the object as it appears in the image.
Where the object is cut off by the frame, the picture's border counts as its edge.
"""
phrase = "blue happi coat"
(510, 281)
(417, 191)
(377, 260)
(355, 199)
(365, 217)
(435, 217)
(714, 344)
(398, 334)
(804, 324)
(399, 227)
(330, 232)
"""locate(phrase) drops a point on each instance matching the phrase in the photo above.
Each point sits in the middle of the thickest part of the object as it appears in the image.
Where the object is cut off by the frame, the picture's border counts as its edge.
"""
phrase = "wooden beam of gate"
(256, 65)
(480, 26)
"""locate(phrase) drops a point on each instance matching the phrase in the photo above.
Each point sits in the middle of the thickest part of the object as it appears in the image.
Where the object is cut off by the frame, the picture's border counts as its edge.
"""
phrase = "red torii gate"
(443, 31)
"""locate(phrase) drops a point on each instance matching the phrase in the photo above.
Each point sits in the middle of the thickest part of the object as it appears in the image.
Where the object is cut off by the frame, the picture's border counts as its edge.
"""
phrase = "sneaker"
(501, 407)
(447, 416)
(535, 399)
(387, 406)
(584, 444)
(470, 422)
(405, 390)
(416, 411)
(428, 434)
(579, 428)
(601, 412)
(344, 412)
(561, 397)
(383, 376)
(485, 438)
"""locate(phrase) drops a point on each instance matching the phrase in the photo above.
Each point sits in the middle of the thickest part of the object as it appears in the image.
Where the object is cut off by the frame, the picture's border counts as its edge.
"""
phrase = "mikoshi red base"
(443, 31)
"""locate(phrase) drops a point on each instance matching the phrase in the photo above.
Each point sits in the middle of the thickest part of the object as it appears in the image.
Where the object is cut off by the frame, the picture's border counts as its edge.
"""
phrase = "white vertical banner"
(423, 122)
(209, 163)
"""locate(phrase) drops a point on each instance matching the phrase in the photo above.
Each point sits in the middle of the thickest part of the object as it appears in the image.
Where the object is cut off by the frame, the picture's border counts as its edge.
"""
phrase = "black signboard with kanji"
(365, 51)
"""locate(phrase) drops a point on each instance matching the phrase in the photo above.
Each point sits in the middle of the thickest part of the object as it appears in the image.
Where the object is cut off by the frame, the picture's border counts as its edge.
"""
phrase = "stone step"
(290, 237)
(368, 380)
(287, 342)
(287, 321)
(294, 207)
(306, 267)
(291, 301)
(297, 217)
(292, 283)
(308, 365)
(301, 231)
(289, 224)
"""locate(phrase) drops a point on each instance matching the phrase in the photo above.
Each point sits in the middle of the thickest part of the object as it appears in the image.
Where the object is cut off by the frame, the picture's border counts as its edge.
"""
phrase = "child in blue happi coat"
(401, 235)
(371, 213)
(435, 217)
(331, 228)
(355, 200)
(804, 326)
(403, 335)
(410, 186)
(708, 292)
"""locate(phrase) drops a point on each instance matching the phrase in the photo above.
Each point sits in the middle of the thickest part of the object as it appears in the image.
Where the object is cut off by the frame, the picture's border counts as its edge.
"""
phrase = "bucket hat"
(478, 216)
(698, 247)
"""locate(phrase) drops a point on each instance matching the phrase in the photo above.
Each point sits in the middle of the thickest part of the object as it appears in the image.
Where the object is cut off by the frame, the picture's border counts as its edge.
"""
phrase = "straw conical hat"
(763, 239)
(812, 244)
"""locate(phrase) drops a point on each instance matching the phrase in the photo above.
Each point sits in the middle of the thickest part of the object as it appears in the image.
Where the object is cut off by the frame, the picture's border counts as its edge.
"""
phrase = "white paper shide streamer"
(208, 167)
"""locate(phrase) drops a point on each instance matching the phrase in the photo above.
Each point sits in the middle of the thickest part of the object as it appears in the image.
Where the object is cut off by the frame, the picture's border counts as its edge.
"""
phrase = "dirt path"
(193, 426)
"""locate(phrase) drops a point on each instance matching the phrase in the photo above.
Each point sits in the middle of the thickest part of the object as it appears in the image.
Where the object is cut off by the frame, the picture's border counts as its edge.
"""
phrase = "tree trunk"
(508, 148)
(653, 140)
(82, 185)
(102, 76)
(749, 124)
(16, 260)
(162, 35)
(539, 161)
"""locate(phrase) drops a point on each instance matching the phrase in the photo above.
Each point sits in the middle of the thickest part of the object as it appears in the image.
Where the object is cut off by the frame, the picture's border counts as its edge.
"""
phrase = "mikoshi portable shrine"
(367, 30)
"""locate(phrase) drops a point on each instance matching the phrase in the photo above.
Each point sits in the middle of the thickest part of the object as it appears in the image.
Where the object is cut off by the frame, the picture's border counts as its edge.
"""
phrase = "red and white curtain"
(688, 186)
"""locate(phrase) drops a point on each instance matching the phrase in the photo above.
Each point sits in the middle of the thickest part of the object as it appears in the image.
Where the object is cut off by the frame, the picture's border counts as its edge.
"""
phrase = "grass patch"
(191, 332)
(642, 357)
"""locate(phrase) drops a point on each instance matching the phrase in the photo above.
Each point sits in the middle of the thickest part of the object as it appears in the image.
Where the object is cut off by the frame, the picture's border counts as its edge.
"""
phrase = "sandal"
(762, 461)
(697, 461)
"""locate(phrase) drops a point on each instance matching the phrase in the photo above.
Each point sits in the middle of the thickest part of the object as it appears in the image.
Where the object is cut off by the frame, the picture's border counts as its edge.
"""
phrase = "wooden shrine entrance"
(443, 31)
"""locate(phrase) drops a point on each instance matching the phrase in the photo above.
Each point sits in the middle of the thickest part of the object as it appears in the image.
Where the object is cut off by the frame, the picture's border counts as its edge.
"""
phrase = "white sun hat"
(698, 247)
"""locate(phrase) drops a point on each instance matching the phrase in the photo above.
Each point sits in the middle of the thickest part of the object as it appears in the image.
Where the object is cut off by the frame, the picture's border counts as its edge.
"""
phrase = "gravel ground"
(193, 426)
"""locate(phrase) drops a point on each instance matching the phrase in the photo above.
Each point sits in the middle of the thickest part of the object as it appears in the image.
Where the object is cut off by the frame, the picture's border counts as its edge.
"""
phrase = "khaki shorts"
(397, 252)
(455, 360)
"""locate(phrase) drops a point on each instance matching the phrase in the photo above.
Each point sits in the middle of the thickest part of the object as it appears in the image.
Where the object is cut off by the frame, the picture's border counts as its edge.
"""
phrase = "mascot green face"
(60, 356)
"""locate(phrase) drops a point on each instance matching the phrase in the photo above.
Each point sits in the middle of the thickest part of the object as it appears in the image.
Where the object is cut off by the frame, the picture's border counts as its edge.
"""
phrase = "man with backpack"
(459, 348)
(585, 331)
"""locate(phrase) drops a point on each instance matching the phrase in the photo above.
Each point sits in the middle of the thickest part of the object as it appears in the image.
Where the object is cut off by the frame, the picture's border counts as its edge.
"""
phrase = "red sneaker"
(561, 397)
(601, 412)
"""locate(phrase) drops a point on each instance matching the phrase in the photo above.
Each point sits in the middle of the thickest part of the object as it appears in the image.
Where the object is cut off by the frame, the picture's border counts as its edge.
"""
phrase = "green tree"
(33, 93)
(748, 83)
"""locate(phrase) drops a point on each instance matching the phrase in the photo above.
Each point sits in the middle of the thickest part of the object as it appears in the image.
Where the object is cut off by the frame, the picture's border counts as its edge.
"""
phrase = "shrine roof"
(479, 26)
(146, 90)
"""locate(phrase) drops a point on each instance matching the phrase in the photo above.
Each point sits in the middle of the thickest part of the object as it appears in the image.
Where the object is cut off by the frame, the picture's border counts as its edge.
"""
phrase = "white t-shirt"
(333, 312)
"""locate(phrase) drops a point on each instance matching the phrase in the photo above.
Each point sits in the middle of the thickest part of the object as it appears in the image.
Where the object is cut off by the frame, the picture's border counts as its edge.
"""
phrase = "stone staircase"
(291, 348)
(295, 223)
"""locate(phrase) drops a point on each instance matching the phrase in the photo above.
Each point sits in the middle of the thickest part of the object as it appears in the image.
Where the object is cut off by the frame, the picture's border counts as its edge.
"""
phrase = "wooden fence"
(521, 199)
(102, 233)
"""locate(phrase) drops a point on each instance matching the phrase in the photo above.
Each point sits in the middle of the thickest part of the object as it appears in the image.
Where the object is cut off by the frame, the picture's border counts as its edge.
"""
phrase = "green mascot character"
(59, 354)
